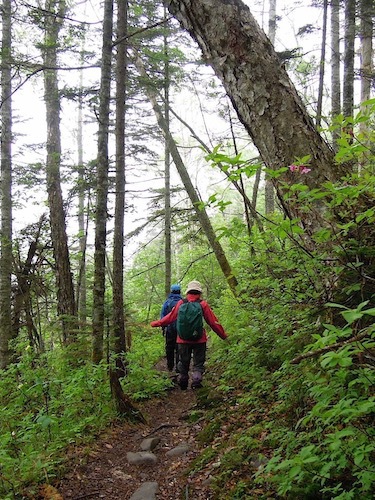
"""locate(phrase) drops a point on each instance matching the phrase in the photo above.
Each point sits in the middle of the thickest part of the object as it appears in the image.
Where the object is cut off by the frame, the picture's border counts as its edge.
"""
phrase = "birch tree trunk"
(102, 185)
(6, 260)
(265, 99)
(65, 291)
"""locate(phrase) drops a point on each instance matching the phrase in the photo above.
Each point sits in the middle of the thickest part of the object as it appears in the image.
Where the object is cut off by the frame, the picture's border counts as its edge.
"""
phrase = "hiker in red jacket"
(192, 348)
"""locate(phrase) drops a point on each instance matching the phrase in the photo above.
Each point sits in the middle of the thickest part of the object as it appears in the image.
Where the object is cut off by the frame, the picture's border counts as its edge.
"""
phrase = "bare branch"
(332, 347)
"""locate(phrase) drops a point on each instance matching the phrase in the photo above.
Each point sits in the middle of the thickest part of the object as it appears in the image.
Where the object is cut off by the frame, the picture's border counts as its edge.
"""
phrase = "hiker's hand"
(154, 323)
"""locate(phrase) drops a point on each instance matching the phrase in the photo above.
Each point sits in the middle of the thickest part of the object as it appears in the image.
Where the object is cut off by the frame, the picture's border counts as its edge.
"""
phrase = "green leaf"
(370, 312)
(351, 316)
(332, 304)
(294, 471)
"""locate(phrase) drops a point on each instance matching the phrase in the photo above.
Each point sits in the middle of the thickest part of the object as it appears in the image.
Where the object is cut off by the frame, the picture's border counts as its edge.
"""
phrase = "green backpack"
(190, 320)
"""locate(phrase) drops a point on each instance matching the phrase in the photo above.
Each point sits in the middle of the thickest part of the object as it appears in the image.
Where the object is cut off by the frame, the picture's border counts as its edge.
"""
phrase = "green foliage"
(48, 405)
(233, 166)
(334, 442)
(306, 430)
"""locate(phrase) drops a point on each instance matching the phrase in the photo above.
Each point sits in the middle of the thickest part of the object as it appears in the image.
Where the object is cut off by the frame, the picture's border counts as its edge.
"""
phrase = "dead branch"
(332, 347)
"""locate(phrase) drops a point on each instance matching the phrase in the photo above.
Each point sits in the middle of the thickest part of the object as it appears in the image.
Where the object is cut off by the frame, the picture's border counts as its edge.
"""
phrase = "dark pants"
(185, 353)
(171, 349)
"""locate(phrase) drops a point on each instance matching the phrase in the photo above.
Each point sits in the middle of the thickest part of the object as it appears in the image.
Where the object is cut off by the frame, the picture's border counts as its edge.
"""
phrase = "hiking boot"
(183, 381)
(196, 385)
(196, 382)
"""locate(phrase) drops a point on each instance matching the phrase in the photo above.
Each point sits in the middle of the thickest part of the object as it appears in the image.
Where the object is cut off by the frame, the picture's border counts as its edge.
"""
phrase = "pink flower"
(302, 169)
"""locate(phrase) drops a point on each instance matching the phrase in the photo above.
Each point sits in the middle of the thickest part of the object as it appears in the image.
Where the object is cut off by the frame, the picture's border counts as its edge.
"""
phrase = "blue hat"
(176, 288)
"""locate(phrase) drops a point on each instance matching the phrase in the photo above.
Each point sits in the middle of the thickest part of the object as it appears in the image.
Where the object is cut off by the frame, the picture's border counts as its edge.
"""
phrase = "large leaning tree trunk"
(185, 178)
(264, 97)
(55, 11)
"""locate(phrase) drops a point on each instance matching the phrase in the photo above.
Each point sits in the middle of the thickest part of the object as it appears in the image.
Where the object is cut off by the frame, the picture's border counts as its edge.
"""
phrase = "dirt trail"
(105, 471)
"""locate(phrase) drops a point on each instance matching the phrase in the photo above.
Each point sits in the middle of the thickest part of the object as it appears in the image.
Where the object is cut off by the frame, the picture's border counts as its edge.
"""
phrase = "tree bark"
(65, 290)
(269, 192)
(185, 178)
(367, 26)
(81, 295)
(167, 170)
(102, 185)
(322, 65)
(118, 239)
(348, 87)
(367, 11)
(261, 92)
(335, 65)
(6, 259)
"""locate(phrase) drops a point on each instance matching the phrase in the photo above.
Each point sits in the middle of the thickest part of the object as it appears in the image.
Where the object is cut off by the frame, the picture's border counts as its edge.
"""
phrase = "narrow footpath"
(144, 461)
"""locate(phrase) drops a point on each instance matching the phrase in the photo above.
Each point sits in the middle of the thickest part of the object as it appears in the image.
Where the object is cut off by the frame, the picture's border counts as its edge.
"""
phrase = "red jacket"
(208, 315)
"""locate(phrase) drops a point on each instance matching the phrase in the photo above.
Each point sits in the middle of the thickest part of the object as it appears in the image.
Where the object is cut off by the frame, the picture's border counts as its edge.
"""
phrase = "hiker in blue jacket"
(170, 331)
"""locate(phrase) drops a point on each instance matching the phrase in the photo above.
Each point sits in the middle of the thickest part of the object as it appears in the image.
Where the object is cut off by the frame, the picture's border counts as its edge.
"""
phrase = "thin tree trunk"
(367, 26)
(367, 11)
(167, 170)
(348, 87)
(81, 298)
(6, 260)
(335, 65)
(185, 178)
(322, 65)
(65, 291)
(118, 240)
(102, 186)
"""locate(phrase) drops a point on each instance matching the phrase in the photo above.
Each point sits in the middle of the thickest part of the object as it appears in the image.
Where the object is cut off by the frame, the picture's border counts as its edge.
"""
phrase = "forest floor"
(104, 471)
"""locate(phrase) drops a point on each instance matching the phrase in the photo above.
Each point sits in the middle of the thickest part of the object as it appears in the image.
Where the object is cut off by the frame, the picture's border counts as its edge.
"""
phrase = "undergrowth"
(294, 385)
(51, 405)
